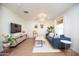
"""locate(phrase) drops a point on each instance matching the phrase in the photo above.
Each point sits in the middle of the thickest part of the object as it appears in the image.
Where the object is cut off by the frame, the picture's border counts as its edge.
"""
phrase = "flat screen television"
(15, 28)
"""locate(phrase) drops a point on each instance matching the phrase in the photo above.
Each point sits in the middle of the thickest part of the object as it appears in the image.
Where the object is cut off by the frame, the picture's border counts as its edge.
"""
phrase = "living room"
(36, 18)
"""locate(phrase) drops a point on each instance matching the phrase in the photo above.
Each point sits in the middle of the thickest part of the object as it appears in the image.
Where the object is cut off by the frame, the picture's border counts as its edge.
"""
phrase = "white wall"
(8, 17)
(0, 19)
(1, 48)
(71, 26)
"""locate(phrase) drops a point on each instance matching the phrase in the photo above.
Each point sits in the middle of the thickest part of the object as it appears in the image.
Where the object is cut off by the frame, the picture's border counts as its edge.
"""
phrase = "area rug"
(46, 48)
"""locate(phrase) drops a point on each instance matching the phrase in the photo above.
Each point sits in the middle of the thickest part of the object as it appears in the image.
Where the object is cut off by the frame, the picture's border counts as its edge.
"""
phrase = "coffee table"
(39, 41)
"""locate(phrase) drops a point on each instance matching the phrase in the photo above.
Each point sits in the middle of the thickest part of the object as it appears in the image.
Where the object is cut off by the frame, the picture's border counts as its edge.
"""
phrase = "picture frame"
(41, 25)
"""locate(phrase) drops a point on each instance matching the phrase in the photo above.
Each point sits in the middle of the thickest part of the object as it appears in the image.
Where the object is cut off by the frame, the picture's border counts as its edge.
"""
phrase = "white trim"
(75, 50)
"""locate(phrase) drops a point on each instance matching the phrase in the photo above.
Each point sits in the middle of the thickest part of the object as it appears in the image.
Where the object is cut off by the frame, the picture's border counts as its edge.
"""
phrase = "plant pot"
(6, 44)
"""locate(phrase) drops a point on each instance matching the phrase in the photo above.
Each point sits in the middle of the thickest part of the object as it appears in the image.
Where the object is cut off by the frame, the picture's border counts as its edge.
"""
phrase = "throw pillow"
(51, 34)
(57, 36)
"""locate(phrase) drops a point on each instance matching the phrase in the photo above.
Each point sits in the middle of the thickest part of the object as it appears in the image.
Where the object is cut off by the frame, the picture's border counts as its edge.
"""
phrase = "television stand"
(19, 39)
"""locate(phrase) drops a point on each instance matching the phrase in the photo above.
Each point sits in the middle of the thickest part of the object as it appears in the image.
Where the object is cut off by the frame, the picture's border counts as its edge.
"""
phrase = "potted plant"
(8, 40)
(50, 29)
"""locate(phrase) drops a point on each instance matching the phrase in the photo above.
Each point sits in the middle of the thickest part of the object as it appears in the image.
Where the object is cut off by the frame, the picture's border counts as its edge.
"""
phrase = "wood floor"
(25, 49)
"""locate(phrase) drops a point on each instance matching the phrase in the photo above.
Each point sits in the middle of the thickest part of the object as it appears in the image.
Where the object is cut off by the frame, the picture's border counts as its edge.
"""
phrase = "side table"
(66, 42)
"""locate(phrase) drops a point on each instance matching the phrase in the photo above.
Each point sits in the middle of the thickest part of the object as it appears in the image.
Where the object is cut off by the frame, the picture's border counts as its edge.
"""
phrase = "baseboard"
(30, 38)
(75, 50)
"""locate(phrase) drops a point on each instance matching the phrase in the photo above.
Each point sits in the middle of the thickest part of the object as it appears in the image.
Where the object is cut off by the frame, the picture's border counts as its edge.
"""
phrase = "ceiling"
(52, 10)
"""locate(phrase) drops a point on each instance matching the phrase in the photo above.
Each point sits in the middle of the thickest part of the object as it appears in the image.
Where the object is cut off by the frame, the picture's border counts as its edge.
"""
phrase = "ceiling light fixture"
(42, 16)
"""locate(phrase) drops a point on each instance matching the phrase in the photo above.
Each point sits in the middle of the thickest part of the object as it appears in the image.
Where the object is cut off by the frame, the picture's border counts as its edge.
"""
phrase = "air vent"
(26, 12)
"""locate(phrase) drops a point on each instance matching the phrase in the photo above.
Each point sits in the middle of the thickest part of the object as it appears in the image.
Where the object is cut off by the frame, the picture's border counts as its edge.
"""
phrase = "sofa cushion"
(51, 34)
(57, 36)
(62, 36)
(50, 38)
